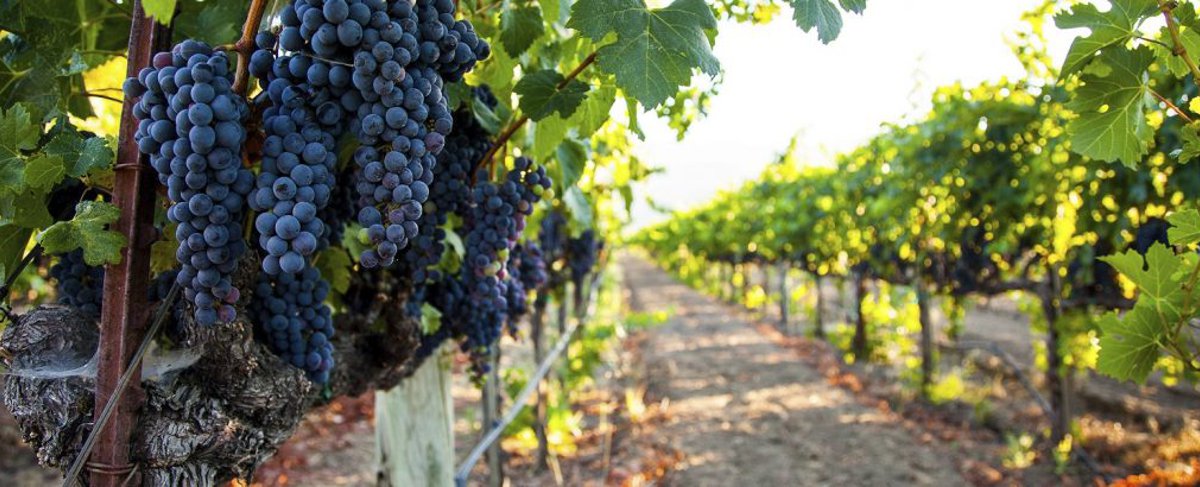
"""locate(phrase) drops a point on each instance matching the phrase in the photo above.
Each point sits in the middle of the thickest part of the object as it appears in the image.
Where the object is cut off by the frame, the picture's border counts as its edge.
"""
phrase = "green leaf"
(631, 111)
(17, 132)
(1154, 274)
(1112, 124)
(161, 10)
(1185, 227)
(1129, 346)
(485, 116)
(1190, 147)
(162, 251)
(821, 14)
(581, 211)
(541, 96)
(13, 240)
(87, 231)
(519, 27)
(1191, 43)
(335, 264)
(547, 134)
(598, 18)
(594, 111)
(31, 211)
(431, 319)
(497, 73)
(44, 171)
(856, 6)
(80, 156)
(572, 158)
(1108, 29)
(214, 22)
(655, 50)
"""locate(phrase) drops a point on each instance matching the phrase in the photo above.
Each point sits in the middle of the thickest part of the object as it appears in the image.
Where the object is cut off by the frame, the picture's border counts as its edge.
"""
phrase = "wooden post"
(859, 345)
(741, 293)
(414, 428)
(785, 299)
(562, 330)
(539, 424)
(1056, 377)
(927, 363)
(126, 312)
(491, 412)
(819, 313)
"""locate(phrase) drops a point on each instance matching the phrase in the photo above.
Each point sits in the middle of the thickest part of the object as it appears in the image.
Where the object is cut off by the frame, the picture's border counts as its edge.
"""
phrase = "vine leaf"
(30, 211)
(12, 247)
(17, 134)
(80, 156)
(594, 111)
(1109, 29)
(548, 133)
(655, 50)
(572, 157)
(1154, 275)
(334, 264)
(821, 14)
(540, 95)
(1110, 104)
(856, 6)
(1190, 147)
(44, 171)
(162, 251)
(519, 27)
(87, 231)
(581, 211)
(1129, 344)
(161, 10)
(1185, 227)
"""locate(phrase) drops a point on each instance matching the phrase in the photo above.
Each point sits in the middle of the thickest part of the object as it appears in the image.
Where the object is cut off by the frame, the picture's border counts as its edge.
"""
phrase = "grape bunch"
(553, 237)
(527, 258)
(78, 284)
(516, 297)
(385, 63)
(493, 223)
(299, 159)
(293, 316)
(190, 123)
(581, 254)
(450, 192)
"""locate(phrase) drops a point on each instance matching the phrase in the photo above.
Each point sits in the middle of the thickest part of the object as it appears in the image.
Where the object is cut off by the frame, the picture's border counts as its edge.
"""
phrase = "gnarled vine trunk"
(217, 419)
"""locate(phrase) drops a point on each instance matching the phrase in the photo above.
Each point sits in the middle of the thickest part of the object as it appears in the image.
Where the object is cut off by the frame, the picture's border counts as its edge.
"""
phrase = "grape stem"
(1168, 7)
(1172, 106)
(92, 94)
(520, 122)
(245, 46)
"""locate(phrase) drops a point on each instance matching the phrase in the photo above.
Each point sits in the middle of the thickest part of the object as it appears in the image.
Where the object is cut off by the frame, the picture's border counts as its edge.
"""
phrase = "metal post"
(126, 311)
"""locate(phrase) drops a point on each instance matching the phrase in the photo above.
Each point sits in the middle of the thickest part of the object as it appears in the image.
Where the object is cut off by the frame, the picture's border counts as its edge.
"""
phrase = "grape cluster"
(553, 236)
(581, 254)
(79, 285)
(493, 223)
(293, 316)
(450, 192)
(384, 63)
(299, 155)
(190, 123)
(527, 258)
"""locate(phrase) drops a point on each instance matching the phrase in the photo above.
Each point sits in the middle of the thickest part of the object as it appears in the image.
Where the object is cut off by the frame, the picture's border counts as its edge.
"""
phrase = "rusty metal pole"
(126, 311)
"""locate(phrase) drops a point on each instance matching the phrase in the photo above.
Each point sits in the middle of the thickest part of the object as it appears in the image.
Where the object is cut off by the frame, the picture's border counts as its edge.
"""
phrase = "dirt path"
(745, 411)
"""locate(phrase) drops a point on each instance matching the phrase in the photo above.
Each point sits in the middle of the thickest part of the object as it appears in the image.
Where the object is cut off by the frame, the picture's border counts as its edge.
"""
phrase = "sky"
(780, 82)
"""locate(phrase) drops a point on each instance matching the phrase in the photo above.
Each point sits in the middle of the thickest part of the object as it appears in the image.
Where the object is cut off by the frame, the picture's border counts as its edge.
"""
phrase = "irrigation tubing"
(464, 469)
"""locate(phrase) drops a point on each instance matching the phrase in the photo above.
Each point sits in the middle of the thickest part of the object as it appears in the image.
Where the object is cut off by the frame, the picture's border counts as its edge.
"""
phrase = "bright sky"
(781, 82)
